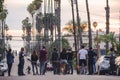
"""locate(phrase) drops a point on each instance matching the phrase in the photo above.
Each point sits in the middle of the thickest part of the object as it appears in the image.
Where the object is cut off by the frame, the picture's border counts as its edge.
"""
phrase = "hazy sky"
(17, 12)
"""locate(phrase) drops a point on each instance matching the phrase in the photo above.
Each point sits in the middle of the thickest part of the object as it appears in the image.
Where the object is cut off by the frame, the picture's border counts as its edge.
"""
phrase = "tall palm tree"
(1, 5)
(37, 4)
(3, 16)
(107, 8)
(78, 22)
(39, 27)
(27, 26)
(89, 24)
(31, 9)
(39, 22)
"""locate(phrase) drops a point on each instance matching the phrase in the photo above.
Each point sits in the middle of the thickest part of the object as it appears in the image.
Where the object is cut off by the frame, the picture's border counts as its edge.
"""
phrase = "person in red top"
(42, 60)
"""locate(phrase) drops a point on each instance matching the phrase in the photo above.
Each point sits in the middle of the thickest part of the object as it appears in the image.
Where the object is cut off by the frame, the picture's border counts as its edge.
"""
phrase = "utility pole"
(107, 8)
(78, 22)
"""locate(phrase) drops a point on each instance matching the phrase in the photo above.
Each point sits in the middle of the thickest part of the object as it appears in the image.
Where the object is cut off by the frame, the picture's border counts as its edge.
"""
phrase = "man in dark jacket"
(10, 60)
(70, 60)
(21, 62)
(42, 59)
(54, 60)
(91, 55)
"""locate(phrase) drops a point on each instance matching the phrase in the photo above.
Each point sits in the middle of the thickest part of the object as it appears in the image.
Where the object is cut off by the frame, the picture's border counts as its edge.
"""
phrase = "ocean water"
(16, 44)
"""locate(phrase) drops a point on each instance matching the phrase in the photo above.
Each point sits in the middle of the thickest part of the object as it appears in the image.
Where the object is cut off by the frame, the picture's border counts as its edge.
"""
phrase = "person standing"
(112, 61)
(82, 58)
(91, 55)
(42, 60)
(10, 60)
(54, 60)
(70, 60)
(34, 59)
(21, 62)
(63, 61)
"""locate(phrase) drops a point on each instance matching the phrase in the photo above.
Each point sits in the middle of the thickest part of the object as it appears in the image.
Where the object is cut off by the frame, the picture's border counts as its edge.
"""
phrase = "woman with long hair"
(34, 58)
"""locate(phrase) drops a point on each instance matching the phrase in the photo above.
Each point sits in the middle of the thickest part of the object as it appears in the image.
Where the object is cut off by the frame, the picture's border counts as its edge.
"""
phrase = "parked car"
(3, 67)
(103, 64)
(117, 63)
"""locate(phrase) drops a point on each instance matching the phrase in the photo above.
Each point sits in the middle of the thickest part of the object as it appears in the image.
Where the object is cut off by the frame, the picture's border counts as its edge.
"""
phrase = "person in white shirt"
(82, 57)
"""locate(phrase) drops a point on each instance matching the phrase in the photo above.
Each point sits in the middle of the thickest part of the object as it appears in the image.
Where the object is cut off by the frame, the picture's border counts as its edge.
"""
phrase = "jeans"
(42, 67)
(90, 66)
(94, 65)
(55, 67)
(34, 65)
(21, 68)
(9, 68)
(70, 66)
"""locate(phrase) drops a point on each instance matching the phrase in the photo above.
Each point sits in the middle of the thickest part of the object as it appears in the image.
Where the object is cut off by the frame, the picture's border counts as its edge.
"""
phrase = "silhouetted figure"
(91, 55)
(112, 60)
(34, 58)
(55, 61)
(10, 60)
(63, 61)
(21, 62)
(42, 59)
(70, 60)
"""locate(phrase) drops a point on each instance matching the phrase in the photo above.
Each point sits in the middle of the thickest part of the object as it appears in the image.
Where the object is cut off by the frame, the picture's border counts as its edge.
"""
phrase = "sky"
(17, 12)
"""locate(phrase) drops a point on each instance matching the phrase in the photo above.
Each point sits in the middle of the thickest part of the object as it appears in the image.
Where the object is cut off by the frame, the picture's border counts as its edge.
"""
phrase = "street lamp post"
(97, 46)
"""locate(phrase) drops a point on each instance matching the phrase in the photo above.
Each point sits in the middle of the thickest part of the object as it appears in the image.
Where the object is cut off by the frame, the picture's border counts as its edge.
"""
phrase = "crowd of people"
(62, 63)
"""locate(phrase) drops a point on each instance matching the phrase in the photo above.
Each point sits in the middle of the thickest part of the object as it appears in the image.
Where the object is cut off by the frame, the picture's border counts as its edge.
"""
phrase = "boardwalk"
(50, 76)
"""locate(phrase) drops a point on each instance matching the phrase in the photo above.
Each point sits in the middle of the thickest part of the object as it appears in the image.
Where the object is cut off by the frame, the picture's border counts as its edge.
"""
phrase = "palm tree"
(108, 38)
(89, 24)
(78, 22)
(1, 5)
(69, 27)
(39, 26)
(31, 9)
(107, 8)
(3, 16)
(37, 4)
(27, 26)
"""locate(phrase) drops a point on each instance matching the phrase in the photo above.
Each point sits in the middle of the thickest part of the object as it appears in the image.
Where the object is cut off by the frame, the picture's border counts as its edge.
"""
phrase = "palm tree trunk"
(3, 38)
(75, 41)
(107, 22)
(78, 22)
(59, 27)
(89, 25)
